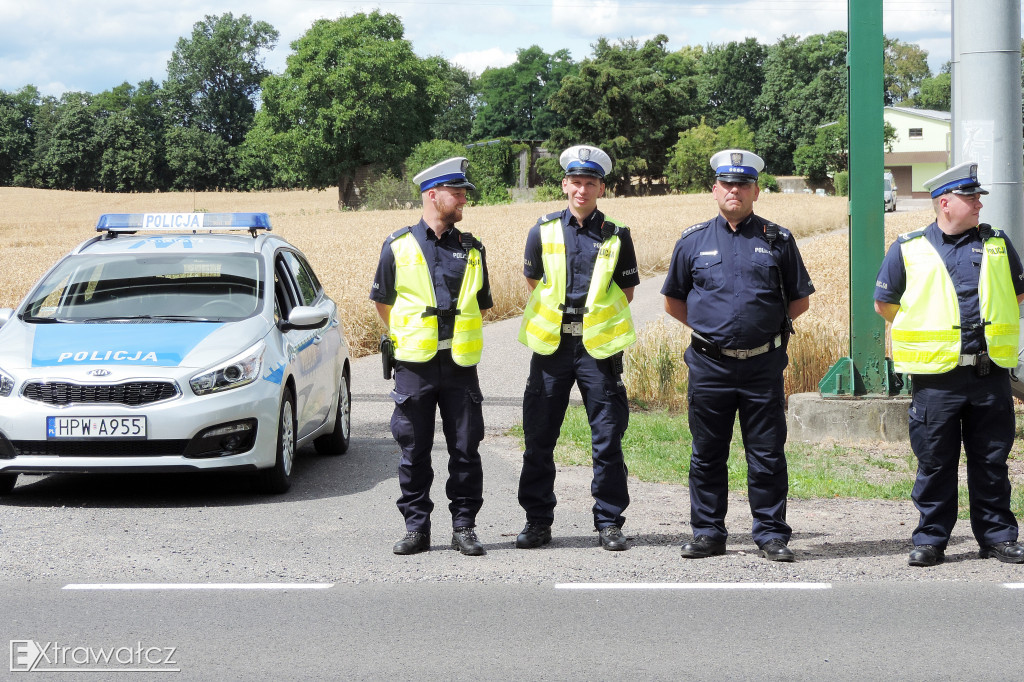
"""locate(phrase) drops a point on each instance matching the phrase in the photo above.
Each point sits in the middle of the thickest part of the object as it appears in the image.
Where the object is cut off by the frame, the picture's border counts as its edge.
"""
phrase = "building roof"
(943, 116)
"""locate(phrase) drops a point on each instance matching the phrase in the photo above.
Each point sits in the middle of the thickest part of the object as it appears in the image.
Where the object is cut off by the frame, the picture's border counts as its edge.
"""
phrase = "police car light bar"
(178, 222)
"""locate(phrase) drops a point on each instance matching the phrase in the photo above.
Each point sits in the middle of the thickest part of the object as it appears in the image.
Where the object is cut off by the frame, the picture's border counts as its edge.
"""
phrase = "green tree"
(731, 77)
(936, 93)
(67, 156)
(198, 160)
(689, 167)
(805, 87)
(353, 93)
(513, 100)
(454, 120)
(905, 68)
(17, 133)
(630, 100)
(130, 126)
(128, 160)
(214, 76)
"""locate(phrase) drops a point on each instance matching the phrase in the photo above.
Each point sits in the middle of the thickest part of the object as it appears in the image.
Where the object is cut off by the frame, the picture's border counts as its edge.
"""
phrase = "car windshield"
(150, 288)
(888, 185)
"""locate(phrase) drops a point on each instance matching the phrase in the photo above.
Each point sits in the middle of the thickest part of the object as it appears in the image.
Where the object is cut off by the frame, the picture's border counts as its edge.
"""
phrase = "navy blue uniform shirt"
(446, 260)
(961, 255)
(732, 282)
(582, 243)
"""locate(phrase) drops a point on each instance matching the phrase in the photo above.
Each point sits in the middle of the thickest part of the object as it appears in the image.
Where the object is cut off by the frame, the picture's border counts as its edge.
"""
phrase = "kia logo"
(99, 372)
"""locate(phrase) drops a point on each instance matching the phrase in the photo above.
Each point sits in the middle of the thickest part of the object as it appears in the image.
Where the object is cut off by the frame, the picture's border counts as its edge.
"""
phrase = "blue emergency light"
(182, 222)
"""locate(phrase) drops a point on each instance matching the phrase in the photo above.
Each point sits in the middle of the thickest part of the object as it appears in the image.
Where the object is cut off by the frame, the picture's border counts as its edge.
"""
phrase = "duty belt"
(444, 345)
(743, 354)
(968, 360)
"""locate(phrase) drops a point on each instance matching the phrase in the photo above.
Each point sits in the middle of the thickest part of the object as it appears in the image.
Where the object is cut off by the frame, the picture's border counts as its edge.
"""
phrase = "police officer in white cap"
(430, 286)
(581, 269)
(951, 292)
(738, 282)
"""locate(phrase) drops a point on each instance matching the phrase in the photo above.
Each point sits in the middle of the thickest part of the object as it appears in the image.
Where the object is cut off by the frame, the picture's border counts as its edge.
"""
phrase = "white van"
(889, 191)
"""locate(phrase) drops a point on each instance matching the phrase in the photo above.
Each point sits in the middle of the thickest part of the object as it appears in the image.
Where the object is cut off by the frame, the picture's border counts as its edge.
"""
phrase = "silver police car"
(173, 342)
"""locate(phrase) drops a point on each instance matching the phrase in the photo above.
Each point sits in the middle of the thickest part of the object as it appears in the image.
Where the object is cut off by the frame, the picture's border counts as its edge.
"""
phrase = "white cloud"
(476, 62)
(594, 18)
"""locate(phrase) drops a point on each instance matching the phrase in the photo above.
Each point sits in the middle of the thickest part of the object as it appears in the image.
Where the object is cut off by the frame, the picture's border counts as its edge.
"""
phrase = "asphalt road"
(317, 594)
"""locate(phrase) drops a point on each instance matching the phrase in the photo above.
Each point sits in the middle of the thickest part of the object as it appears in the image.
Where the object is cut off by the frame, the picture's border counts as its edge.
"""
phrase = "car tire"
(336, 442)
(7, 482)
(278, 478)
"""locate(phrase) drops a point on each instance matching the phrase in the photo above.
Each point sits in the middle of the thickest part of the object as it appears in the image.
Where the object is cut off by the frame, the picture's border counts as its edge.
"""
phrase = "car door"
(318, 348)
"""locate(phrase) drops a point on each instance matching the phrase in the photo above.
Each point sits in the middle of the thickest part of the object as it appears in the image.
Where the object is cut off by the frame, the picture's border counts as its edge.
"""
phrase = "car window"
(94, 288)
(309, 286)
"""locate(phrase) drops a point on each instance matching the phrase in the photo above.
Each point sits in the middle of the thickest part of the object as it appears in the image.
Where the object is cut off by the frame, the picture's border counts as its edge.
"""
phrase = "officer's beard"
(447, 216)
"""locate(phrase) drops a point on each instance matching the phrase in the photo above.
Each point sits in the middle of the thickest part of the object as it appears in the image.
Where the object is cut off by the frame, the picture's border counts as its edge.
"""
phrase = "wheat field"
(39, 226)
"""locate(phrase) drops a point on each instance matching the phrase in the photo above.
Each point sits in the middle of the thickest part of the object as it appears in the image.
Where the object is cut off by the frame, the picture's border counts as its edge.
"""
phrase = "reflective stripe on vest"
(926, 330)
(608, 322)
(415, 336)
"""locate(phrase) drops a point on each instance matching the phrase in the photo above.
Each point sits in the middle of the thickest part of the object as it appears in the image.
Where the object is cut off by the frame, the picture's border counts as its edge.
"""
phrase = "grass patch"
(657, 449)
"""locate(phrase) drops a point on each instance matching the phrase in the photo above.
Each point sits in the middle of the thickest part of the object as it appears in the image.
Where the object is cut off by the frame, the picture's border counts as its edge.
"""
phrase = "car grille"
(124, 448)
(127, 393)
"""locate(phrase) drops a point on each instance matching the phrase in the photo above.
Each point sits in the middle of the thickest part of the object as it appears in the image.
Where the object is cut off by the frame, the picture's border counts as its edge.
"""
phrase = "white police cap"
(584, 159)
(737, 165)
(960, 179)
(448, 173)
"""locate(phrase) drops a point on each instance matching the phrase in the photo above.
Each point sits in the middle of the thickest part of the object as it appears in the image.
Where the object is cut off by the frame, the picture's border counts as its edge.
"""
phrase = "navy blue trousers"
(544, 404)
(421, 389)
(948, 409)
(718, 390)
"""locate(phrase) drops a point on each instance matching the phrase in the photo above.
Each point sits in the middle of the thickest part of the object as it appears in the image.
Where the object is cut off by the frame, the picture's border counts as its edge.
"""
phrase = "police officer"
(737, 281)
(581, 269)
(430, 286)
(951, 292)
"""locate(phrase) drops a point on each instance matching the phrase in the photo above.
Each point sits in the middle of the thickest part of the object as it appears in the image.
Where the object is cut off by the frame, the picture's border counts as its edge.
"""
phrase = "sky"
(95, 45)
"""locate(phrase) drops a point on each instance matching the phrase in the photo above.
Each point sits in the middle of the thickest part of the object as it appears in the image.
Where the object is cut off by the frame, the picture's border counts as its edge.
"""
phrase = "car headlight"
(6, 384)
(238, 371)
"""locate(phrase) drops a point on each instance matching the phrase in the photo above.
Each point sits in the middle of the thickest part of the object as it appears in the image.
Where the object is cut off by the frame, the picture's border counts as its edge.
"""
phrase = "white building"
(921, 149)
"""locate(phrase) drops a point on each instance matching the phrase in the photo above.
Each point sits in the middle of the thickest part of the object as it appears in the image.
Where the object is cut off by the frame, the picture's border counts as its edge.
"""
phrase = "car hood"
(171, 344)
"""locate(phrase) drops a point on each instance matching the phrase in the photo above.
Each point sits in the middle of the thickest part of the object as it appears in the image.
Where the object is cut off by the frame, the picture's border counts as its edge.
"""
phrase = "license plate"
(126, 428)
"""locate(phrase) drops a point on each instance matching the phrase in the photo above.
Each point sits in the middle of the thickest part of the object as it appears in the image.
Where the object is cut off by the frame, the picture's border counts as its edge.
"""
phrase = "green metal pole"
(865, 371)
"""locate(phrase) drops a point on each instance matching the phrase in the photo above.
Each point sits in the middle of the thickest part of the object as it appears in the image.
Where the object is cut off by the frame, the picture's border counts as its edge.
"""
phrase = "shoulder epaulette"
(550, 216)
(909, 235)
(692, 229)
(398, 233)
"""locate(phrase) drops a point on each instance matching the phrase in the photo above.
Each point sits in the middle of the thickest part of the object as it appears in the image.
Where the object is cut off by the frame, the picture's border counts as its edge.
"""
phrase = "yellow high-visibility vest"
(926, 330)
(607, 322)
(415, 335)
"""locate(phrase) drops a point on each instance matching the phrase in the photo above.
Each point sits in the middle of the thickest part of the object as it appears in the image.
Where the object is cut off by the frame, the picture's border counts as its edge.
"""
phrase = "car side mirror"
(304, 317)
(5, 314)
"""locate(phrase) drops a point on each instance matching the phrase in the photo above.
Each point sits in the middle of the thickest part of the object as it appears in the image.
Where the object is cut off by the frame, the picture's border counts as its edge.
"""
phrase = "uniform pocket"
(765, 271)
(707, 270)
(475, 404)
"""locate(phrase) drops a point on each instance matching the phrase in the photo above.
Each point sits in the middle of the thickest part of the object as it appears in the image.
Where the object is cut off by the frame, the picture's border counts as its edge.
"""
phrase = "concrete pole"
(986, 115)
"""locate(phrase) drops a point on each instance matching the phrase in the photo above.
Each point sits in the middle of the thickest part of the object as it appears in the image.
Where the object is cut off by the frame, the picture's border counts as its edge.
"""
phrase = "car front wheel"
(278, 479)
(336, 442)
(7, 482)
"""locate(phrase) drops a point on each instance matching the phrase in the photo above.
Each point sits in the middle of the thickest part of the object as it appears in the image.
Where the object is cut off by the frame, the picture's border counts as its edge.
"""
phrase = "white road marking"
(693, 586)
(1014, 586)
(198, 586)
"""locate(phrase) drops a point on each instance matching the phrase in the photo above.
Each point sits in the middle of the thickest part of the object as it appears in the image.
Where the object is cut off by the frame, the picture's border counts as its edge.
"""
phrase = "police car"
(173, 342)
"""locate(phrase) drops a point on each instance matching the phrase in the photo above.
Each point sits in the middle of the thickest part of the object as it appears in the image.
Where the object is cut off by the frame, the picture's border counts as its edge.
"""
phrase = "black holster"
(387, 355)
